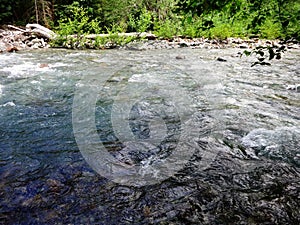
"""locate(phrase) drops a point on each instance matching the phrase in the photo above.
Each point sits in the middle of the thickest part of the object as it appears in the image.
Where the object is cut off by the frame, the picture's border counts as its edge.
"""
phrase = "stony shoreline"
(205, 43)
(11, 41)
(14, 40)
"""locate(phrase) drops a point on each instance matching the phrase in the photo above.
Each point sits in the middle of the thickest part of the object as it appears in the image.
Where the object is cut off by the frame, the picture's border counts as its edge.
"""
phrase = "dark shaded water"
(242, 124)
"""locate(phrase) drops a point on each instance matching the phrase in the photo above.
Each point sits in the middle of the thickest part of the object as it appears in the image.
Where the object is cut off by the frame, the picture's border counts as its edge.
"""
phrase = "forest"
(269, 19)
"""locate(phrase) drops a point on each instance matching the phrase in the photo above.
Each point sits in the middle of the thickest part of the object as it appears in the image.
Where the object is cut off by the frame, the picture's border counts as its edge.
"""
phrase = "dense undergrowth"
(266, 19)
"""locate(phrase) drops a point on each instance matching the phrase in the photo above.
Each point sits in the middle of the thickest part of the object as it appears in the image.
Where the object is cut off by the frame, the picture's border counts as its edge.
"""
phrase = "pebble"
(36, 41)
(295, 87)
(12, 49)
(221, 59)
(294, 46)
(244, 45)
(180, 57)
(43, 65)
(36, 46)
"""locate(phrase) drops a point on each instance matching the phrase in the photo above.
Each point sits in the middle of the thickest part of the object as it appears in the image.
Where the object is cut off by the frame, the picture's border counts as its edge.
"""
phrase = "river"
(170, 136)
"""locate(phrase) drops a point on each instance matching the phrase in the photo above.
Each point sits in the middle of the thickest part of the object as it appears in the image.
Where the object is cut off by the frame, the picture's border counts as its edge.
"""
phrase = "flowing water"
(234, 131)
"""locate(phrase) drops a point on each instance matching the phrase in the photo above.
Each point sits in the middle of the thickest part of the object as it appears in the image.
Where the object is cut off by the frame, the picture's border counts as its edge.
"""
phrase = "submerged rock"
(221, 59)
(282, 143)
(180, 57)
(295, 87)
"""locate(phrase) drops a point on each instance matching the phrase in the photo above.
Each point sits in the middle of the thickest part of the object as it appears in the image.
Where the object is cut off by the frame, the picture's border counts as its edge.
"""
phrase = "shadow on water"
(247, 117)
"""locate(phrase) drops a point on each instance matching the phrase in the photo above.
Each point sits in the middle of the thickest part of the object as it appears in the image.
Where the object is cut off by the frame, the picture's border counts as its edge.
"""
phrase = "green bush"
(193, 18)
(221, 31)
(6, 10)
(73, 25)
(167, 28)
(143, 22)
(191, 26)
(75, 20)
(271, 29)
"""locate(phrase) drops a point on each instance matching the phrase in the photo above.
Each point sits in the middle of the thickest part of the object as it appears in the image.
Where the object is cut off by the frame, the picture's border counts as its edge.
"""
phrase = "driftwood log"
(40, 31)
(16, 28)
(37, 29)
(44, 32)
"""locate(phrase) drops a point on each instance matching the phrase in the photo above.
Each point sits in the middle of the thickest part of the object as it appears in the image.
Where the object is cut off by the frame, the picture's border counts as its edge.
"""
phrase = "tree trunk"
(36, 11)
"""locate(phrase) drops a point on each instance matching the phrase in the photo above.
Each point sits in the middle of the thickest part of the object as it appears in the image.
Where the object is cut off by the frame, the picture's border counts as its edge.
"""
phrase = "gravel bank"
(12, 40)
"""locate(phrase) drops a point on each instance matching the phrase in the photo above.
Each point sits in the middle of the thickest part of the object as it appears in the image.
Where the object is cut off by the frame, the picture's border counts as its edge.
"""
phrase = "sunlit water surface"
(241, 122)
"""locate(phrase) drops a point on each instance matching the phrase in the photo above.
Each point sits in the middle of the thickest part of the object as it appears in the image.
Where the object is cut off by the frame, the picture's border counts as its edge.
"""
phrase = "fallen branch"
(16, 28)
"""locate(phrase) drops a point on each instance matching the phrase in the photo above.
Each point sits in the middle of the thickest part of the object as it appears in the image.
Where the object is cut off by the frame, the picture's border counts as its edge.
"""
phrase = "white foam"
(262, 137)
(26, 69)
(8, 104)
(17, 70)
(35, 82)
(58, 64)
(281, 143)
(136, 78)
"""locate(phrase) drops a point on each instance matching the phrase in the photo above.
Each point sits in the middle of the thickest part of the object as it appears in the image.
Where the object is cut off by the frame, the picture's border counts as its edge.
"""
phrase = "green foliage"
(264, 53)
(100, 42)
(75, 20)
(21, 12)
(200, 7)
(191, 26)
(143, 22)
(115, 13)
(274, 18)
(111, 41)
(194, 18)
(270, 29)
(114, 39)
(6, 10)
(167, 28)
(221, 31)
(289, 17)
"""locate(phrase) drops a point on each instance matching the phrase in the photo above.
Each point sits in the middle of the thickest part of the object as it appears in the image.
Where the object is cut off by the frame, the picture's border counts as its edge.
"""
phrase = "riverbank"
(205, 43)
(12, 40)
